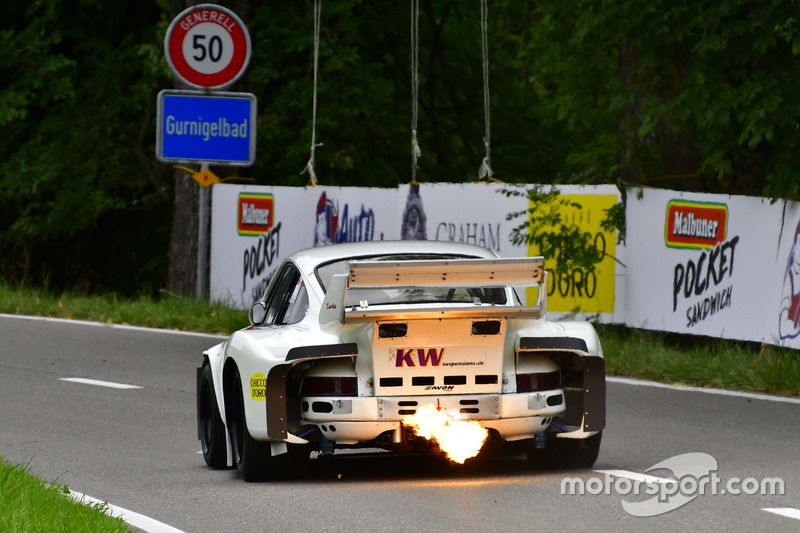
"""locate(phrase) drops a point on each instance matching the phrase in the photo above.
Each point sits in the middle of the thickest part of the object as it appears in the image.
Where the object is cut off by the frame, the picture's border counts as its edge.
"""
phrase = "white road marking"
(99, 383)
(687, 388)
(784, 511)
(140, 521)
(636, 476)
(114, 326)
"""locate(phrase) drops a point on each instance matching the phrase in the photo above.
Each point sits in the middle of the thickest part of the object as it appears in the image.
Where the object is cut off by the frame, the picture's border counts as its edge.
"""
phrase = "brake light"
(539, 381)
(329, 386)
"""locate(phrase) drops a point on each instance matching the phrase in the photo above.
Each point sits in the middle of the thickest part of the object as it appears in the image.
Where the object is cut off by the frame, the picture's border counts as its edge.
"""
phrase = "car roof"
(311, 257)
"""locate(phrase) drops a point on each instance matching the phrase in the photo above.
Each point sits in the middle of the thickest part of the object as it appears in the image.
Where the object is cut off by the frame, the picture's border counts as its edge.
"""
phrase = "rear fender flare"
(278, 376)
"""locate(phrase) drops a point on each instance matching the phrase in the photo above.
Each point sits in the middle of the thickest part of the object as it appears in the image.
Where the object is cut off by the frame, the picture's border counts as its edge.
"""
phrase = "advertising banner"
(700, 264)
(580, 291)
(782, 325)
(471, 213)
(254, 228)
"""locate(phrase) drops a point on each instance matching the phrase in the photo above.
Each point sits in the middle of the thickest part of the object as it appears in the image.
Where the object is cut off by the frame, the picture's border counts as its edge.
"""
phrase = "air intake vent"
(486, 327)
(391, 331)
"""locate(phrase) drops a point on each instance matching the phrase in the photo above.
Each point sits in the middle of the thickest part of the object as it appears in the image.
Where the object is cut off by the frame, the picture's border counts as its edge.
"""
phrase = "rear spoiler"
(526, 271)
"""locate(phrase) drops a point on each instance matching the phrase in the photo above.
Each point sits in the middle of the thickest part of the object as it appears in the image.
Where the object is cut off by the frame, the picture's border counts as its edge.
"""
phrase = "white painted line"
(784, 511)
(99, 383)
(687, 388)
(636, 476)
(114, 326)
(140, 521)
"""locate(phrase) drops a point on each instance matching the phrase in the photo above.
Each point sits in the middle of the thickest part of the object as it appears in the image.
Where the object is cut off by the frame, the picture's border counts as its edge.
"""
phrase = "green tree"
(79, 190)
(693, 95)
(364, 93)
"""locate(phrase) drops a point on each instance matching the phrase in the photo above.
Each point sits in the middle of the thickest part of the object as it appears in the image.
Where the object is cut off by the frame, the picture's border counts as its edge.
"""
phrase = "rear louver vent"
(408, 407)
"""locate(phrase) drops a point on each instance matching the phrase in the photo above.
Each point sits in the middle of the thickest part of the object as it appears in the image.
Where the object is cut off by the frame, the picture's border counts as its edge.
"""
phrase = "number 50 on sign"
(207, 46)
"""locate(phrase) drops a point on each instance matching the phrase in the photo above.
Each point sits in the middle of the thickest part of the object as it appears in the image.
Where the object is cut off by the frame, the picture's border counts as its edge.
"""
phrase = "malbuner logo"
(695, 224)
(255, 213)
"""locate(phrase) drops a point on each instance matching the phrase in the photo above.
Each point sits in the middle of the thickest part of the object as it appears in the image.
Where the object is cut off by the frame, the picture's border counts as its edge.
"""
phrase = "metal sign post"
(202, 240)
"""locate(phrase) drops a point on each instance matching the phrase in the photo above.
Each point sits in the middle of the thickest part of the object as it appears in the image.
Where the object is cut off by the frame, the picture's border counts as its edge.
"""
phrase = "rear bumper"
(350, 420)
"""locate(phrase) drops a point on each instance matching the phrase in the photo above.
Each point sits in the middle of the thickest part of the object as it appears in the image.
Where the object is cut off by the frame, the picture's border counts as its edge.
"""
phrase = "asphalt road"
(137, 448)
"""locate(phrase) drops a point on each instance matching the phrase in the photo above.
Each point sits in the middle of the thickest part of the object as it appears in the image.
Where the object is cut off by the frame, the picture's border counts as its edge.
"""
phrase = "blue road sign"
(194, 127)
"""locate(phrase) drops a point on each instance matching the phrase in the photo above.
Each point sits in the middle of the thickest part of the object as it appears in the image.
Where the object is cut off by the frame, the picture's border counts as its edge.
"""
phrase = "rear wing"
(444, 273)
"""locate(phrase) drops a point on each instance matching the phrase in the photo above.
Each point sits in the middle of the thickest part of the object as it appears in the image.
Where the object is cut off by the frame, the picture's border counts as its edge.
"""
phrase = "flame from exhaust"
(460, 439)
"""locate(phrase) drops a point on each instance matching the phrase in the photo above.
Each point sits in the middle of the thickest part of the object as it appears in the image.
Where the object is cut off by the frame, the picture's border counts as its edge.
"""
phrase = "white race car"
(406, 346)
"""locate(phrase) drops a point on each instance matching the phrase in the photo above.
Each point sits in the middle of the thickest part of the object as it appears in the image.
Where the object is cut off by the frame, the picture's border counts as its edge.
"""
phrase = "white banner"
(471, 213)
(716, 265)
(700, 264)
(254, 228)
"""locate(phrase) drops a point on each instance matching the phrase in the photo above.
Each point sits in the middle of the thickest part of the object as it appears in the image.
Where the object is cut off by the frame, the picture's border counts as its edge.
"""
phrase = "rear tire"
(252, 458)
(212, 430)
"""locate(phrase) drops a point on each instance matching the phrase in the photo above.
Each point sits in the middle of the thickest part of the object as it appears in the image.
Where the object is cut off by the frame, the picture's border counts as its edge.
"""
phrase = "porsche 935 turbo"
(350, 343)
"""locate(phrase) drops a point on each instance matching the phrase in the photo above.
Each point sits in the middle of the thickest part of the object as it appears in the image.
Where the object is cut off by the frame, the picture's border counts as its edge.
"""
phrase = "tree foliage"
(544, 225)
(687, 94)
(697, 95)
(78, 183)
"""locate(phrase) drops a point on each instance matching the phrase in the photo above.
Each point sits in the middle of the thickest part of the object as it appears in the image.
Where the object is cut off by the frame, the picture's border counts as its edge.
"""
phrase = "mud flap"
(594, 393)
(276, 404)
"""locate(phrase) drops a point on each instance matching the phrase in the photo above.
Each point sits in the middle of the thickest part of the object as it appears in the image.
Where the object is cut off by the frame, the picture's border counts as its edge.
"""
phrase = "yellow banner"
(579, 290)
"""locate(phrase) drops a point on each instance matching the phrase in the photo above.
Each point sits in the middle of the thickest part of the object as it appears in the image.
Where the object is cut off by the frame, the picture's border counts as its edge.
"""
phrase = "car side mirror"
(258, 312)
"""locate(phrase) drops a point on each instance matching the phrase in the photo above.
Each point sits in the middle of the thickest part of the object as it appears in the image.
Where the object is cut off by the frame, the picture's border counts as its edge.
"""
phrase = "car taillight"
(538, 382)
(329, 386)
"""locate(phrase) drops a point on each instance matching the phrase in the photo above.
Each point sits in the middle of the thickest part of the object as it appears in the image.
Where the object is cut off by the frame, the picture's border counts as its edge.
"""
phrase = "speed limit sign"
(207, 46)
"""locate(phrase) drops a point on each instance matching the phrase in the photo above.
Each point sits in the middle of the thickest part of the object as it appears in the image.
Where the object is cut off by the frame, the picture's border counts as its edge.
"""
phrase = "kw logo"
(423, 356)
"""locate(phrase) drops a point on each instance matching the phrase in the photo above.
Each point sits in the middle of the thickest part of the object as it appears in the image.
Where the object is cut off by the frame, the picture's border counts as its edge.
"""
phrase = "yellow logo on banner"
(578, 289)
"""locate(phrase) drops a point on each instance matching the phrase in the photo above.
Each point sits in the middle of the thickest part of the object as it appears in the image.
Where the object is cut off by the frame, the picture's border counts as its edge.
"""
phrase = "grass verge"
(28, 504)
(170, 312)
(700, 361)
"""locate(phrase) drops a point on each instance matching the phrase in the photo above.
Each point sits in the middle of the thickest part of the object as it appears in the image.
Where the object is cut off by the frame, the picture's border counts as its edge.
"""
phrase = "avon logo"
(406, 357)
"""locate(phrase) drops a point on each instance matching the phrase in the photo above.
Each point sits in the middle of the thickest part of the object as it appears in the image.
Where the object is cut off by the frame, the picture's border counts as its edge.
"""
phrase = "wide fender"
(581, 339)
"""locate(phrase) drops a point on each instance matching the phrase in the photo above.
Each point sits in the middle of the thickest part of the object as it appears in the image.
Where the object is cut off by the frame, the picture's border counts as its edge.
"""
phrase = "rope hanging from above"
(485, 170)
(314, 145)
(416, 153)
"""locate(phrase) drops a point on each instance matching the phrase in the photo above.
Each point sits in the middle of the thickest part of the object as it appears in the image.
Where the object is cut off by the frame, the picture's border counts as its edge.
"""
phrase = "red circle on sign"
(180, 29)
